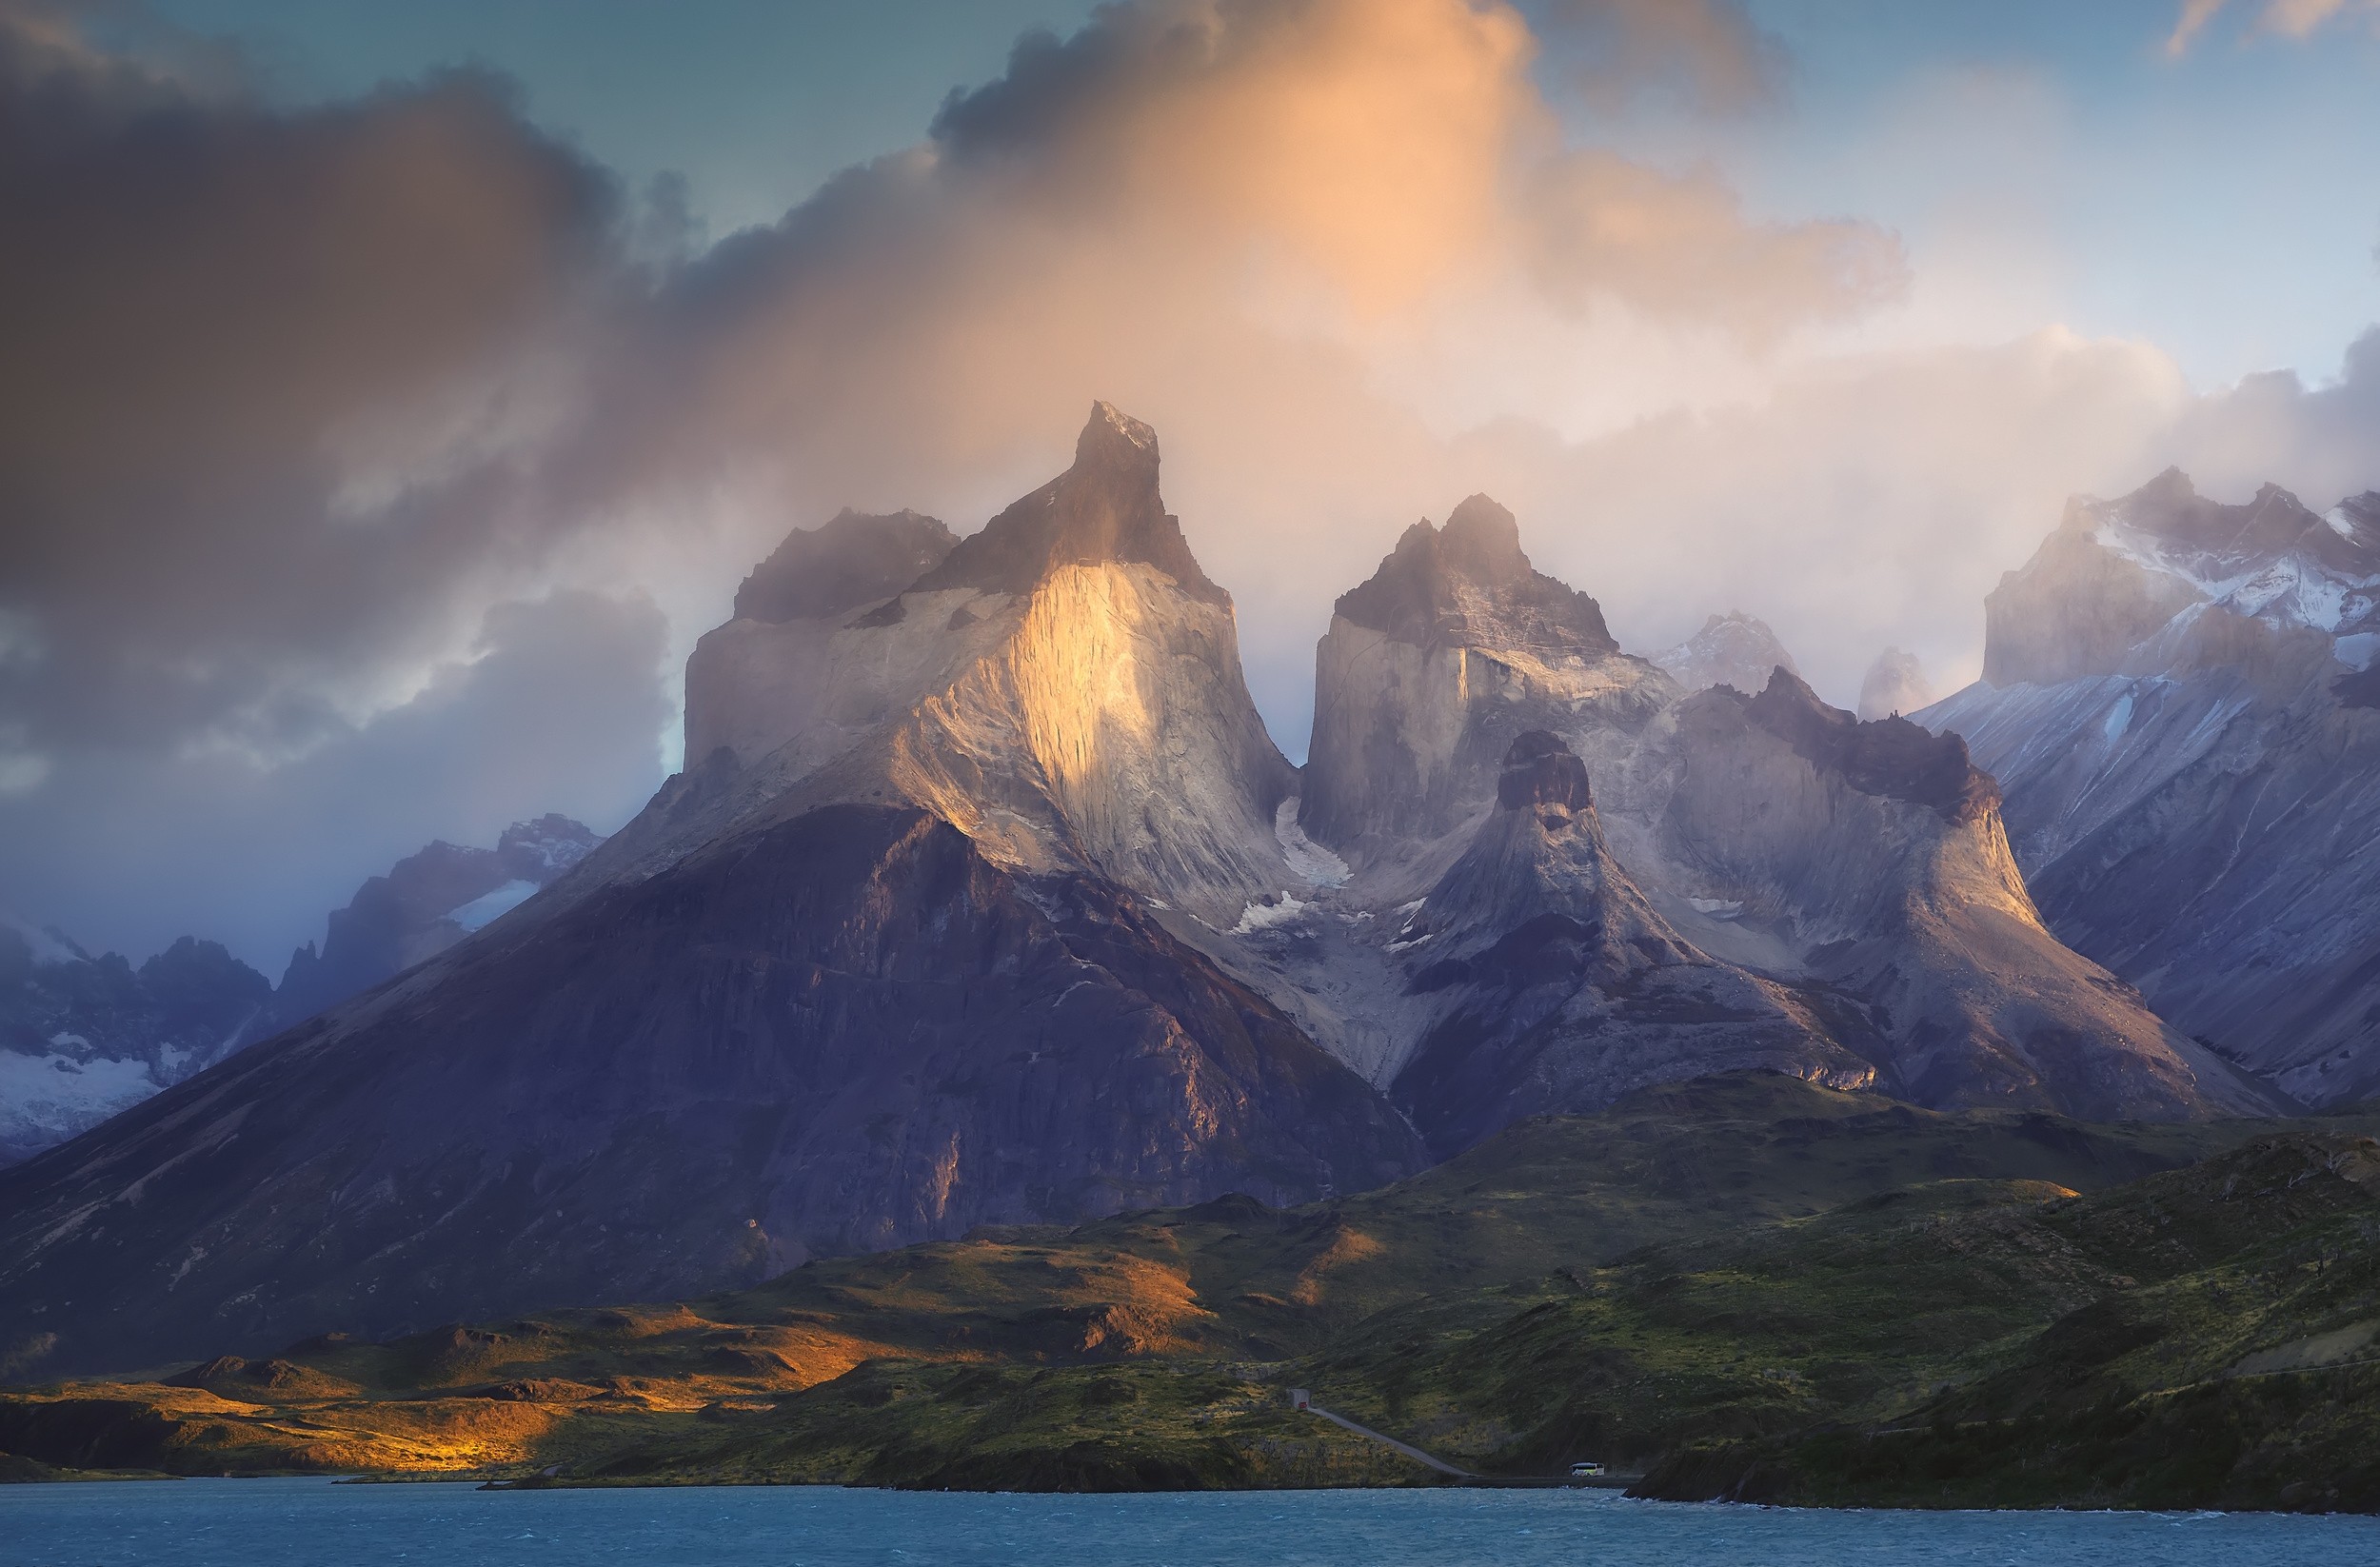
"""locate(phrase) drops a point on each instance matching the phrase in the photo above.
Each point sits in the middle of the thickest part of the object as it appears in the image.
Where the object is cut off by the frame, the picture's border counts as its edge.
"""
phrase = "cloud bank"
(369, 467)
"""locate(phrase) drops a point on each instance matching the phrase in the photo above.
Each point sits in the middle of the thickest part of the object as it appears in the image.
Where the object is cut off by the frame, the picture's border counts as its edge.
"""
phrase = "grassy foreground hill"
(1746, 1286)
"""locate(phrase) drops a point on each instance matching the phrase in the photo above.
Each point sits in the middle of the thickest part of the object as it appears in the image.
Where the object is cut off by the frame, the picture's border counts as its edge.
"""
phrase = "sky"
(398, 391)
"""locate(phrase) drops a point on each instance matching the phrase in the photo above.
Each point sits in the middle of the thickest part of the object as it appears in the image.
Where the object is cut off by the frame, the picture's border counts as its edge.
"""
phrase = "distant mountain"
(81, 1038)
(1732, 649)
(426, 902)
(1896, 684)
(2180, 703)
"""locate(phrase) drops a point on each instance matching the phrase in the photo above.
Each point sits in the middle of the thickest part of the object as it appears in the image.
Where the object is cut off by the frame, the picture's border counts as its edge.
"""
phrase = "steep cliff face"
(900, 954)
(1851, 879)
(770, 673)
(1430, 667)
(1876, 854)
(1554, 986)
(1732, 649)
(1064, 686)
(2174, 704)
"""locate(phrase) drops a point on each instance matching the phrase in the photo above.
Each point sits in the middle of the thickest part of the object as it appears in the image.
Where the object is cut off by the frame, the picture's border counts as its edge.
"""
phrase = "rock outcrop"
(2175, 703)
(901, 955)
(1732, 649)
(1557, 986)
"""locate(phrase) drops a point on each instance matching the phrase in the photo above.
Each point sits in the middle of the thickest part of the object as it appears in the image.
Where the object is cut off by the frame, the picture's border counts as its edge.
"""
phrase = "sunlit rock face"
(2177, 700)
(1732, 649)
(1851, 879)
(913, 947)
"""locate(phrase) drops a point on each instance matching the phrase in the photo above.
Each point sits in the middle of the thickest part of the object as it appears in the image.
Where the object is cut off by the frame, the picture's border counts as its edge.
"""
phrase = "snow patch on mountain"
(1260, 915)
(488, 907)
(1318, 865)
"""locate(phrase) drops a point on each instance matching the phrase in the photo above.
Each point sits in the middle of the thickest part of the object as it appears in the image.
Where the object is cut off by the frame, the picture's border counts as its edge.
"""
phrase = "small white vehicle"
(1585, 1469)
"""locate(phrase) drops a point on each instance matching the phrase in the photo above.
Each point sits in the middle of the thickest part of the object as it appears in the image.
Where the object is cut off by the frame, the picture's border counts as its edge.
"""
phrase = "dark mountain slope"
(845, 1033)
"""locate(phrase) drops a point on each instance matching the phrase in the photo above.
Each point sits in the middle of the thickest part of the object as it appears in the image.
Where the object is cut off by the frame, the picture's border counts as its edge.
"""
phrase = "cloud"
(375, 461)
(2294, 19)
(219, 319)
(1709, 50)
(555, 704)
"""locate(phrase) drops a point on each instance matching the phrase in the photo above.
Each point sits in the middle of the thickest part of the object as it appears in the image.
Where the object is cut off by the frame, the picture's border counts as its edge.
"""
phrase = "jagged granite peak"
(1895, 684)
(2176, 703)
(1856, 875)
(1105, 508)
(1891, 757)
(1732, 649)
(1470, 585)
(851, 561)
(1554, 986)
(1432, 664)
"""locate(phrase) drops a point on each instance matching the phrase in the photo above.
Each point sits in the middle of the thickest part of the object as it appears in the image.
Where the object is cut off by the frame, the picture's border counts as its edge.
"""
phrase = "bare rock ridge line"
(2178, 701)
(985, 897)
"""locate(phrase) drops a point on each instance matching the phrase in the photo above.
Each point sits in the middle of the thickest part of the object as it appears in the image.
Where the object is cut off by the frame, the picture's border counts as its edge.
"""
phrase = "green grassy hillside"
(1748, 1286)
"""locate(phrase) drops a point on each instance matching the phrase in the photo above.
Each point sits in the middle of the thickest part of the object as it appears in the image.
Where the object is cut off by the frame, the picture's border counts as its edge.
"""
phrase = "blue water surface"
(274, 1523)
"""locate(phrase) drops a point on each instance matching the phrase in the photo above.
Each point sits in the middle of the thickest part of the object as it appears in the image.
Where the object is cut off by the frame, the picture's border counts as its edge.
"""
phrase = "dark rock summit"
(1555, 985)
(1468, 583)
(1105, 508)
(1890, 757)
(843, 564)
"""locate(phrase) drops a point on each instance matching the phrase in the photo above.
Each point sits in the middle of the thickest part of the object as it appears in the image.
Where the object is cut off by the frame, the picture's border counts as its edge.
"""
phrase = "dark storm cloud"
(555, 704)
(206, 306)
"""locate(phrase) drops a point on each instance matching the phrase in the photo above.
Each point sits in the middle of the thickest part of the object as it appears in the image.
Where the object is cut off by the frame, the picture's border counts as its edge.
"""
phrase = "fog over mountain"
(298, 578)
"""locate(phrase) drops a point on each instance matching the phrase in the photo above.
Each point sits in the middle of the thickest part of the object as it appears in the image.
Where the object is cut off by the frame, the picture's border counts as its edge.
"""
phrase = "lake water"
(286, 1522)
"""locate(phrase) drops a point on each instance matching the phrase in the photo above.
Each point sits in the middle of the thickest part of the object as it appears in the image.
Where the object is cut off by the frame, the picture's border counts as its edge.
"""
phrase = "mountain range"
(83, 1038)
(2180, 703)
(986, 899)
